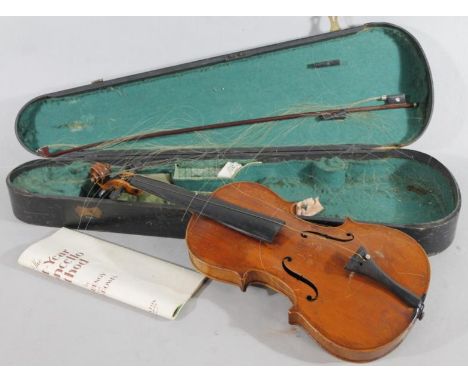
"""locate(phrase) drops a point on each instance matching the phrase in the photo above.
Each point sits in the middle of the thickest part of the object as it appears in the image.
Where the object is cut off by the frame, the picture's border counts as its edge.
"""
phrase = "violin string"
(298, 231)
(210, 196)
(208, 200)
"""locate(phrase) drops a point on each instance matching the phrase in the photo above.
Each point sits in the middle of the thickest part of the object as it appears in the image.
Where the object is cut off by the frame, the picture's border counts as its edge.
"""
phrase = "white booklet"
(145, 282)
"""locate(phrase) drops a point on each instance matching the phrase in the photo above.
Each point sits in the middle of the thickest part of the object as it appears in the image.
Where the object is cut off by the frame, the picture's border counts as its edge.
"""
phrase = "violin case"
(355, 164)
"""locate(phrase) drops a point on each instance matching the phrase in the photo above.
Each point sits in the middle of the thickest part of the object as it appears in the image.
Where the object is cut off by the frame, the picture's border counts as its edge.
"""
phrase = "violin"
(357, 288)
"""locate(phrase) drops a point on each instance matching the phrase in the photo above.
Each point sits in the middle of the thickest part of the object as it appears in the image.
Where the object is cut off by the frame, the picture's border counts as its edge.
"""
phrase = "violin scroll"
(100, 175)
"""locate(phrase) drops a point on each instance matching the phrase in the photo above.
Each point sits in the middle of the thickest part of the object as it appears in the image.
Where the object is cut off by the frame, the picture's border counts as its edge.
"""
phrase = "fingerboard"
(248, 222)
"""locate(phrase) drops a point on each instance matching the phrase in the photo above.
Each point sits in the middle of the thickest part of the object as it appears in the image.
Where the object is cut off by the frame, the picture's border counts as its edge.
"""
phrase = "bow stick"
(390, 102)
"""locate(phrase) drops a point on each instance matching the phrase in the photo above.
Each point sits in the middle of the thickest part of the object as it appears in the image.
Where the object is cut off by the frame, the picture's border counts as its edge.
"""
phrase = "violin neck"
(248, 222)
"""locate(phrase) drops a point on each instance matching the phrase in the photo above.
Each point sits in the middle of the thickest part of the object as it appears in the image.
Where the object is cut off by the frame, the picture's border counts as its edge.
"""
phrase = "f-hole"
(301, 278)
(348, 236)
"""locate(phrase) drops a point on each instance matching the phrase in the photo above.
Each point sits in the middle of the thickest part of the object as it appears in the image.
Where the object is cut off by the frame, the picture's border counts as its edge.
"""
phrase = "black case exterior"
(170, 221)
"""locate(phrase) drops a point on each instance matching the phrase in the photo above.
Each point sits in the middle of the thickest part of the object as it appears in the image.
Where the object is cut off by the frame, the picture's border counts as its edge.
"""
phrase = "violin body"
(356, 288)
(349, 314)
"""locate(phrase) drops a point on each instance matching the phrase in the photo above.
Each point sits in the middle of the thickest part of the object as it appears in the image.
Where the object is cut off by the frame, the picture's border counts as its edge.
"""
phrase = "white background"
(44, 321)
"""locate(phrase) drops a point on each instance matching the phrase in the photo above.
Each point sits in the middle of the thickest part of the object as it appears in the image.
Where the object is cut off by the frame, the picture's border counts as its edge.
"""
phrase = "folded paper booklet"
(142, 281)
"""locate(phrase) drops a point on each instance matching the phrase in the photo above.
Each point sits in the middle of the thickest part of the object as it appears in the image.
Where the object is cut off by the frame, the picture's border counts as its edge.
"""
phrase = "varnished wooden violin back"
(356, 288)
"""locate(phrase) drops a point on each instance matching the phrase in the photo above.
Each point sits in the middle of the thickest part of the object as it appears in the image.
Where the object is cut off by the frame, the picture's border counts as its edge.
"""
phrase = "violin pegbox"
(111, 187)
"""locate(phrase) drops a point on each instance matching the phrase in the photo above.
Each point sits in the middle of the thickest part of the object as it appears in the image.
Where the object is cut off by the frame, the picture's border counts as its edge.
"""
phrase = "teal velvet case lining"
(387, 190)
(374, 61)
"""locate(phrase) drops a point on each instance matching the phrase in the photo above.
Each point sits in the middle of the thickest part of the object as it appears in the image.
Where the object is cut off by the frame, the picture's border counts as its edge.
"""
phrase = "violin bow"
(390, 102)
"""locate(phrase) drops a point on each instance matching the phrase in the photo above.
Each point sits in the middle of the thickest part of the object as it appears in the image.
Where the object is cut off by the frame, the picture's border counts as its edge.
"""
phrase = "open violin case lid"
(354, 162)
